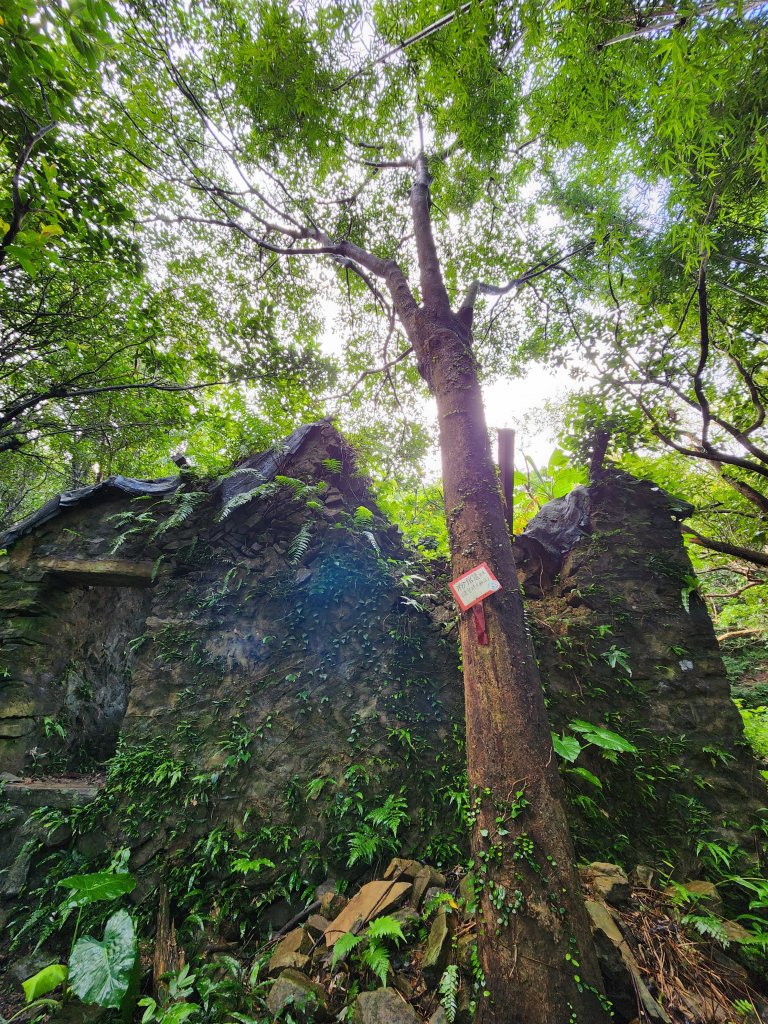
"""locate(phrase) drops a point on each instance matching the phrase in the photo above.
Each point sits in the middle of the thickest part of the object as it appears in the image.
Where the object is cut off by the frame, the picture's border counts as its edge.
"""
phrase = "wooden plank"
(100, 572)
(507, 471)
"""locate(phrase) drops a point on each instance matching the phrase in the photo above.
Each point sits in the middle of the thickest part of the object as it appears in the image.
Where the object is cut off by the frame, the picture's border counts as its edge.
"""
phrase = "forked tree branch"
(477, 288)
(385, 368)
(433, 291)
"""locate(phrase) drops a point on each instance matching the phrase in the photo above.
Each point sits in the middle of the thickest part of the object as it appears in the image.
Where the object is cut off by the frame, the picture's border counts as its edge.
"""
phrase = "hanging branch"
(746, 554)
(21, 207)
(477, 288)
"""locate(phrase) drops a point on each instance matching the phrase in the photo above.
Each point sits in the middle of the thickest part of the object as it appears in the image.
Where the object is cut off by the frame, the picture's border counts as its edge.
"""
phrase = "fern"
(238, 500)
(376, 959)
(343, 945)
(332, 465)
(449, 989)
(300, 544)
(362, 516)
(392, 813)
(386, 928)
(187, 502)
(300, 490)
(708, 926)
(140, 523)
(364, 844)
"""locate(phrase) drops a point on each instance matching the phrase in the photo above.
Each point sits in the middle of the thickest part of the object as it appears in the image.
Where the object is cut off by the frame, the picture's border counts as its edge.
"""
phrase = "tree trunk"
(534, 937)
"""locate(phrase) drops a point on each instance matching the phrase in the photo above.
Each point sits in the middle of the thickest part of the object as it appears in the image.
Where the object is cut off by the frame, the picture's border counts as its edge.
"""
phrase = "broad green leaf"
(44, 981)
(102, 885)
(599, 736)
(100, 970)
(179, 1012)
(584, 774)
(567, 747)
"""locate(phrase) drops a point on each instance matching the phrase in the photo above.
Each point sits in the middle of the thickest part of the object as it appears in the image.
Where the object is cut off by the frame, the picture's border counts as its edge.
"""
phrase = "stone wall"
(277, 692)
(281, 698)
(625, 640)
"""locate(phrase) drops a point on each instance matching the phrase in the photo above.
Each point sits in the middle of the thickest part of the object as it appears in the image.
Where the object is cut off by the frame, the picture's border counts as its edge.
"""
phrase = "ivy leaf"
(100, 971)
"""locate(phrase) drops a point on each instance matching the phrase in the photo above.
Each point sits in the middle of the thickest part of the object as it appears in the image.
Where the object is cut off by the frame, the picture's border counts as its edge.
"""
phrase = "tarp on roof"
(561, 523)
(112, 487)
(260, 469)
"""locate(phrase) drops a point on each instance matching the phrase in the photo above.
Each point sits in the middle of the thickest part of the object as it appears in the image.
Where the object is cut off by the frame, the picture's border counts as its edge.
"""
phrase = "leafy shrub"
(755, 728)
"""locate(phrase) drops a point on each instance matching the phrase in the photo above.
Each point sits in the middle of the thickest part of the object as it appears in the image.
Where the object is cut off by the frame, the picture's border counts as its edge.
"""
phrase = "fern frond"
(708, 926)
(238, 500)
(392, 813)
(343, 945)
(376, 959)
(300, 544)
(449, 989)
(187, 502)
(386, 928)
(244, 471)
(364, 844)
(140, 522)
(362, 516)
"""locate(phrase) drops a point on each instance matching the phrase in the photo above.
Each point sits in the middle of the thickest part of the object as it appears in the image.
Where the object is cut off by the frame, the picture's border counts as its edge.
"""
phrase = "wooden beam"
(507, 471)
(100, 572)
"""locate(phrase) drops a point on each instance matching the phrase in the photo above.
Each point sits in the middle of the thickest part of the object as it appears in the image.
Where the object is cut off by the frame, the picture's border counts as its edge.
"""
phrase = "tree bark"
(534, 937)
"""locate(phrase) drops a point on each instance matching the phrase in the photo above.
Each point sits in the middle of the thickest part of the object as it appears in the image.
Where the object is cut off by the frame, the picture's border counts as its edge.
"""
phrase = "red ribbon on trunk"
(479, 616)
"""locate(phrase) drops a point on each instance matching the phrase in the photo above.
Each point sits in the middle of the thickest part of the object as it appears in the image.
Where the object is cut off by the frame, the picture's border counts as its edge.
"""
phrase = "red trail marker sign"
(474, 586)
(470, 590)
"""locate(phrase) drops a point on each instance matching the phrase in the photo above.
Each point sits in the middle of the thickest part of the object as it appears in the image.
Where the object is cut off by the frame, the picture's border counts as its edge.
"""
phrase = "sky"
(509, 402)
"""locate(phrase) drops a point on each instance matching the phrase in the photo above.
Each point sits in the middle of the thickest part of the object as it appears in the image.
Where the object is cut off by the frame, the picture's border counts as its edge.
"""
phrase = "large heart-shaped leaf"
(101, 885)
(100, 972)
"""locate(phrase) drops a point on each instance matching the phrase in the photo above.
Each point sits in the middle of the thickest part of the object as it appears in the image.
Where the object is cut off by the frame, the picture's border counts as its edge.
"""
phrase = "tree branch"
(698, 386)
(423, 33)
(385, 368)
(752, 495)
(741, 632)
(20, 207)
(674, 19)
(433, 290)
(746, 554)
(478, 288)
